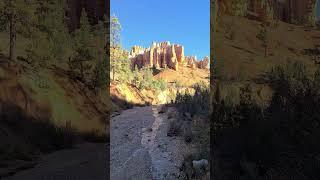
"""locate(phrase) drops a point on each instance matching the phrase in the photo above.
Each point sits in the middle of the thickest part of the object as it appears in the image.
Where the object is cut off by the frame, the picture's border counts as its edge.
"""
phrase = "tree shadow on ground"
(24, 138)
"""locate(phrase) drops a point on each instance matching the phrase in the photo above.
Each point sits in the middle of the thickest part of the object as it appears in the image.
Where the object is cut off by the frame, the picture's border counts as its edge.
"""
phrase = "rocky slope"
(243, 56)
(177, 81)
(33, 104)
(164, 55)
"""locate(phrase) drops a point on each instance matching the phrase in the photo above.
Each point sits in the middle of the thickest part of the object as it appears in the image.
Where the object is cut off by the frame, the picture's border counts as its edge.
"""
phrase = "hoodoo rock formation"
(164, 55)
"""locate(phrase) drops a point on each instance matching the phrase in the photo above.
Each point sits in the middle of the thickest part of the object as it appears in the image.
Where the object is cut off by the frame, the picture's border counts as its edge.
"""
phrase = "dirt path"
(87, 161)
(140, 147)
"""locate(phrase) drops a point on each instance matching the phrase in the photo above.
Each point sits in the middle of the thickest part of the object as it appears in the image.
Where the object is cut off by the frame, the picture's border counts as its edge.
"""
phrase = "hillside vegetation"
(53, 82)
(264, 98)
(146, 85)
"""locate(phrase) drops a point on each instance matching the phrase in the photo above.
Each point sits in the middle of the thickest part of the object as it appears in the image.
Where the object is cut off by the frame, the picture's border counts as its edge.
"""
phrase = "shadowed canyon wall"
(95, 9)
(290, 11)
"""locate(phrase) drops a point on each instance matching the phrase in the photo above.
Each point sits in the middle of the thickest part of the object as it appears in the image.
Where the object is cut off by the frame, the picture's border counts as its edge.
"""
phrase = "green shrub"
(177, 84)
(174, 128)
(194, 104)
(159, 84)
(239, 7)
(143, 79)
(126, 75)
(285, 131)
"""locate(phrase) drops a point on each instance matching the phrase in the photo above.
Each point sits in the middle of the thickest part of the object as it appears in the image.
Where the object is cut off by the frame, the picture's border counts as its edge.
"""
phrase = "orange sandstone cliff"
(164, 55)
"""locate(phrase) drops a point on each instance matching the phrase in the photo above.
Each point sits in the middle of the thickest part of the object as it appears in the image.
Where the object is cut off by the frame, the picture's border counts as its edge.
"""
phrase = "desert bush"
(171, 115)
(147, 77)
(41, 134)
(187, 132)
(174, 128)
(177, 84)
(159, 84)
(163, 109)
(231, 94)
(289, 71)
(194, 104)
(187, 169)
(125, 75)
(191, 106)
(143, 79)
(94, 136)
(280, 138)
(239, 7)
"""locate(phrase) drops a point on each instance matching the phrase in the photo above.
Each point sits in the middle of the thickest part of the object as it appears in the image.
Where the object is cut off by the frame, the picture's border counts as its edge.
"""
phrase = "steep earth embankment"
(177, 82)
(241, 55)
(35, 100)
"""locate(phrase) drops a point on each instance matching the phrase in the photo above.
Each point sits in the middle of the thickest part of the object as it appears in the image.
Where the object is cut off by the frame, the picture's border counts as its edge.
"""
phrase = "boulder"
(200, 166)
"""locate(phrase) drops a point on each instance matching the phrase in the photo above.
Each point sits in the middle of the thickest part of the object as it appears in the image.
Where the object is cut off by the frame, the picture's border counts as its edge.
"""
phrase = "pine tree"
(115, 48)
(84, 50)
(51, 23)
(16, 17)
(59, 37)
(49, 42)
(101, 79)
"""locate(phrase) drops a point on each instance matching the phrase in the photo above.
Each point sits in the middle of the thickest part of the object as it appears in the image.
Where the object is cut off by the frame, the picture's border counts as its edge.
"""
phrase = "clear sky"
(185, 22)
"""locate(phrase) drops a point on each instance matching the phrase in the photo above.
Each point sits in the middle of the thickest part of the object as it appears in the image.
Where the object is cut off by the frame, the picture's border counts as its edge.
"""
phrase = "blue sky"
(178, 21)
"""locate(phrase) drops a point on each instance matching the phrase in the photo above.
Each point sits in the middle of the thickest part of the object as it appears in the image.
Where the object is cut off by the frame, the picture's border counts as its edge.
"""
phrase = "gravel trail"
(140, 147)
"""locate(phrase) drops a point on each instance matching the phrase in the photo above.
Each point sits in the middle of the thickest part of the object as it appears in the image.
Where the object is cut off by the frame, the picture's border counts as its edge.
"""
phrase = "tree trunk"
(265, 51)
(81, 71)
(12, 38)
(113, 73)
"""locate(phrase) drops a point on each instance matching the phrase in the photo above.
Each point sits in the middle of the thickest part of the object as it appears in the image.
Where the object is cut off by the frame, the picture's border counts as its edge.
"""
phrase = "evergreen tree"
(50, 39)
(16, 17)
(101, 78)
(84, 50)
(59, 36)
(115, 48)
(124, 71)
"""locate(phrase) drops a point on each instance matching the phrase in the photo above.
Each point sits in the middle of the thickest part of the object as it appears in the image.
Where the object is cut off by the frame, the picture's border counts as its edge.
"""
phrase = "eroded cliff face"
(95, 9)
(164, 55)
(295, 11)
(290, 11)
(133, 95)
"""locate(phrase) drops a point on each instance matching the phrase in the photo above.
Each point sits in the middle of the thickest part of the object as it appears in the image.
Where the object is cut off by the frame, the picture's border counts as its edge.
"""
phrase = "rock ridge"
(164, 55)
